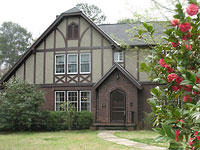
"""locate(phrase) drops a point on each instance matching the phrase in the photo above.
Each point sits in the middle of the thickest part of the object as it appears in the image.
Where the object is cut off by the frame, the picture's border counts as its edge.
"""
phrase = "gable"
(34, 62)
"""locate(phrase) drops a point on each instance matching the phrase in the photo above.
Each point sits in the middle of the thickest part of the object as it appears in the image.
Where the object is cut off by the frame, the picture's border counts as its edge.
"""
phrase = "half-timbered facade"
(76, 61)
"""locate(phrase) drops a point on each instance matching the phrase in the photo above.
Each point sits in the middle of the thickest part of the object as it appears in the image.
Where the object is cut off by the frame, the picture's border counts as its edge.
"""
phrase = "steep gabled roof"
(123, 71)
(120, 31)
(71, 12)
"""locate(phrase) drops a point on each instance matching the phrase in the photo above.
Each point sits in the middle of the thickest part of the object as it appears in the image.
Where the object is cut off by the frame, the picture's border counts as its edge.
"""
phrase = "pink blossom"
(171, 77)
(186, 37)
(188, 47)
(162, 62)
(175, 22)
(179, 80)
(188, 88)
(177, 133)
(187, 98)
(175, 44)
(192, 9)
(169, 69)
(176, 88)
(184, 27)
(197, 80)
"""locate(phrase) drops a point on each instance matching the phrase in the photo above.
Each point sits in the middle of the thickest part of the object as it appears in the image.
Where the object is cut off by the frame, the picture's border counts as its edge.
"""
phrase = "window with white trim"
(60, 64)
(72, 63)
(85, 100)
(72, 99)
(118, 57)
(85, 63)
(59, 100)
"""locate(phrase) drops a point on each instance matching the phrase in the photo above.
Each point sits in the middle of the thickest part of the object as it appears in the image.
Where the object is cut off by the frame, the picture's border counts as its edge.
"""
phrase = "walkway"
(109, 136)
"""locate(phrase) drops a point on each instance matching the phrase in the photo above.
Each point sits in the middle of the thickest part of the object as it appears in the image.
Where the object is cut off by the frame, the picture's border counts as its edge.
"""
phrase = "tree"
(14, 41)
(175, 65)
(20, 106)
(93, 12)
(137, 17)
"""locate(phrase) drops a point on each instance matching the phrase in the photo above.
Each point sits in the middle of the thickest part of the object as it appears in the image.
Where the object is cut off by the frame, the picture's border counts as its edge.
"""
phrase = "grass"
(143, 136)
(62, 140)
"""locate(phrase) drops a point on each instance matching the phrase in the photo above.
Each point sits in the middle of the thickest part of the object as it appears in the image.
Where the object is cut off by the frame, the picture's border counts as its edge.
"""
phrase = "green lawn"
(62, 140)
(143, 136)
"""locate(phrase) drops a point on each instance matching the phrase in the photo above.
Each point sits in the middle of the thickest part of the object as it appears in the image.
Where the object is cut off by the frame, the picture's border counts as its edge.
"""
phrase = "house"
(76, 61)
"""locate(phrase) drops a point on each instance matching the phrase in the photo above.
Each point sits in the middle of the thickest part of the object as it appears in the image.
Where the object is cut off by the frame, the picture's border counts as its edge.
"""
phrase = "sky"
(37, 15)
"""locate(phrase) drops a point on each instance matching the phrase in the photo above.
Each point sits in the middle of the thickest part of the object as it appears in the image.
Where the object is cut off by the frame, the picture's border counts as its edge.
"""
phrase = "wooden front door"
(117, 107)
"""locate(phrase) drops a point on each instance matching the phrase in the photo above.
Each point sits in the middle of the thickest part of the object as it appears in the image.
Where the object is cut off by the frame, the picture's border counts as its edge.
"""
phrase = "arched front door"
(117, 107)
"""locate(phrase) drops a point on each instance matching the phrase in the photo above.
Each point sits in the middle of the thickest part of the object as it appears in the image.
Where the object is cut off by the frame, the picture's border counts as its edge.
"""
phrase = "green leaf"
(186, 82)
(168, 130)
(159, 131)
(156, 91)
(163, 139)
(191, 76)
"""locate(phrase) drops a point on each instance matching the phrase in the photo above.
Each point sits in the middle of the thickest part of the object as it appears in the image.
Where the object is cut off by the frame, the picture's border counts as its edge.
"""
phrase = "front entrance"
(117, 107)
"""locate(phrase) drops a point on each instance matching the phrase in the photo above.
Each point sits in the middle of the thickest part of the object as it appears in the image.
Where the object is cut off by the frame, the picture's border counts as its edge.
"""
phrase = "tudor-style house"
(76, 61)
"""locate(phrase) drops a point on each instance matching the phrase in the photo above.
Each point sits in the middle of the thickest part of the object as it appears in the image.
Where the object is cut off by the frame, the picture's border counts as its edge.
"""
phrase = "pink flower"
(175, 22)
(184, 27)
(181, 121)
(197, 80)
(179, 80)
(195, 93)
(157, 69)
(169, 69)
(188, 47)
(175, 44)
(162, 62)
(176, 88)
(177, 133)
(192, 9)
(187, 98)
(188, 88)
(186, 37)
(171, 77)
(191, 141)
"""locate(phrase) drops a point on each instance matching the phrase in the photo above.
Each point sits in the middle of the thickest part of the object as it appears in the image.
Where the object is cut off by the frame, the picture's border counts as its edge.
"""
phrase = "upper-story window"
(72, 63)
(85, 63)
(118, 57)
(72, 31)
(60, 64)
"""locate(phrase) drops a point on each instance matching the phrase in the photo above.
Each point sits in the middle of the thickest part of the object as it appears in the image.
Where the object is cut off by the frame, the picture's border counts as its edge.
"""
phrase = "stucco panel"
(60, 41)
(49, 67)
(131, 62)
(86, 39)
(39, 68)
(107, 60)
(20, 72)
(72, 43)
(62, 27)
(41, 46)
(83, 25)
(96, 67)
(30, 69)
(50, 41)
(96, 38)
(106, 42)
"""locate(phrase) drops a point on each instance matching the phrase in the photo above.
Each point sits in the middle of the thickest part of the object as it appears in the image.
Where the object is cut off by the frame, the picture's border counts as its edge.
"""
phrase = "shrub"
(63, 120)
(84, 120)
(53, 120)
(20, 106)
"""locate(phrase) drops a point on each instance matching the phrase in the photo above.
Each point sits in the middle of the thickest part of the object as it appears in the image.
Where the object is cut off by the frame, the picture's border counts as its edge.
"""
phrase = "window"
(85, 63)
(60, 64)
(59, 100)
(72, 63)
(73, 31)
(118, 57)
(85, 99)
(72, 99)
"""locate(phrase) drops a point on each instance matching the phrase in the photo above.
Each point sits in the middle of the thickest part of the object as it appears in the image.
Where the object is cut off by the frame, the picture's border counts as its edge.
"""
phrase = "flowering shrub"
(176, 65)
